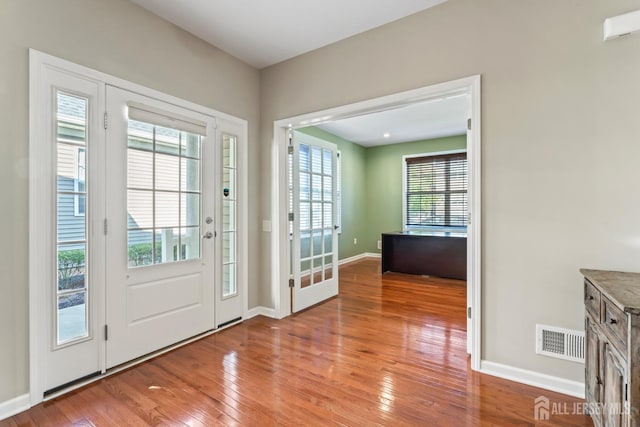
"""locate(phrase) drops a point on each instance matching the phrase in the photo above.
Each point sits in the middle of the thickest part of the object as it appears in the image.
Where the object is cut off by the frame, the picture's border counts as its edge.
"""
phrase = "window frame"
(339, 191)
(76, 182)
(404, 192)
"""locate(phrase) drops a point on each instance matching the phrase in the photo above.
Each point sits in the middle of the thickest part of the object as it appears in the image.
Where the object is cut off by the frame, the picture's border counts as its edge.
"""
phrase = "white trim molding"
(14, 406)
(358, 258)
(281, 297)
(261, 311)
(532, 378)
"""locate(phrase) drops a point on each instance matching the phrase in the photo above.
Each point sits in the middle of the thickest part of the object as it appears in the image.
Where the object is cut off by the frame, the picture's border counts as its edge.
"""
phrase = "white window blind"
(436, 191)
(145, 113)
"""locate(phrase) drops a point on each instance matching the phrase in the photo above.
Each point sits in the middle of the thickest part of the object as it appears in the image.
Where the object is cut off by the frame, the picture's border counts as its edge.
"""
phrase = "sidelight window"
(72, 267)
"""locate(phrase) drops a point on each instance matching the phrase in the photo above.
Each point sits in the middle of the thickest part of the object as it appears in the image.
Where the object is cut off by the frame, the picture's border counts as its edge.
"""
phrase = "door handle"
(207, 235)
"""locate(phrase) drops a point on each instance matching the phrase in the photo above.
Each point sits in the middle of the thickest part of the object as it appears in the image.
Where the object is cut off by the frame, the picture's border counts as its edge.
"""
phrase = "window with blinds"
(436, 191)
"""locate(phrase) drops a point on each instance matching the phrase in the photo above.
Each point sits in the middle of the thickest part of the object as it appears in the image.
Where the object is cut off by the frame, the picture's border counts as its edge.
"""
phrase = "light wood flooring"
(389, 350)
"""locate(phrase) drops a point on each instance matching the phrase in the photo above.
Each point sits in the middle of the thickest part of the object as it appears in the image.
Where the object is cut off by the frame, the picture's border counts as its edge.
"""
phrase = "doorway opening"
(280, 273)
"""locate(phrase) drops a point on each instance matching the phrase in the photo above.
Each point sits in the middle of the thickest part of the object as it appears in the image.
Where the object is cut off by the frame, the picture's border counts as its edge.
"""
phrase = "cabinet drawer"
(592, 300)
(614, 320)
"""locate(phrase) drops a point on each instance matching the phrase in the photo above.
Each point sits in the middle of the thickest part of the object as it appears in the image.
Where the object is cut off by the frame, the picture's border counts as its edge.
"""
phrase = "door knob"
(207, 235)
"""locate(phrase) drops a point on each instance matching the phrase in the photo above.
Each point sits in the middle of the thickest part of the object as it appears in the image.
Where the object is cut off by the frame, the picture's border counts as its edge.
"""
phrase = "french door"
(136, 222)
(314, 230)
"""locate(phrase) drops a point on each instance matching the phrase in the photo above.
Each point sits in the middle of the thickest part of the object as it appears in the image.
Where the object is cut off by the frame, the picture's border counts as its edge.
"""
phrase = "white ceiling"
(431, 119)
(263, 33)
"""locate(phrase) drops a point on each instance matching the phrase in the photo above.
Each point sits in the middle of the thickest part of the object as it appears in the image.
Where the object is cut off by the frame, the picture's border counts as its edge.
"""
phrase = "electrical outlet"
(355, 240)
(379, 244)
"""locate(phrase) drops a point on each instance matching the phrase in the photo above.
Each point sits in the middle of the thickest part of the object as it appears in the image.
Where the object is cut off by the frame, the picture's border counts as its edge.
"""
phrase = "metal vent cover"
(560, 343)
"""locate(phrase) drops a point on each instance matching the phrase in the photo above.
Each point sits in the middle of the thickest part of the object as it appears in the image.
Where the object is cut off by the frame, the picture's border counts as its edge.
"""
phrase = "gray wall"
(119, 38)
(560, 143)
(559, 133)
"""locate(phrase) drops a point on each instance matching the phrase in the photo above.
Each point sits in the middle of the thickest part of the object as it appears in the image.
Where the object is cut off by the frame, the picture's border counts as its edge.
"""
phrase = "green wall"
(372, 187)
(384, 183)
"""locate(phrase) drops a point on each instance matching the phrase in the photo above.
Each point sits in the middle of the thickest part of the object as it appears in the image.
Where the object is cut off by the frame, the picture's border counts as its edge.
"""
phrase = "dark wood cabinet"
(612, 352)
(441, 254)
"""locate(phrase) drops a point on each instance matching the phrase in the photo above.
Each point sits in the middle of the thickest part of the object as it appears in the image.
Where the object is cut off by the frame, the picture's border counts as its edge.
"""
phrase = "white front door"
(315, 235)
(161, 225)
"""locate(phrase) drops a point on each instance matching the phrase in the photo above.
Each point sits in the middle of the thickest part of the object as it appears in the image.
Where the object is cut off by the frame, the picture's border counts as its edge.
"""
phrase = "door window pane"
(190, 241)
(164, 189)
(140, 247)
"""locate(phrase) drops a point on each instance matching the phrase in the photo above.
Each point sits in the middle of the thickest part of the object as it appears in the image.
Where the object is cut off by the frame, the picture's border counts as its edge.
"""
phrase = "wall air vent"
(559, 342)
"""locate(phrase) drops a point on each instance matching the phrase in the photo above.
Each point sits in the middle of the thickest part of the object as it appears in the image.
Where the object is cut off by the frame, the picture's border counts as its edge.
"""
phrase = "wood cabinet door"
(592, 362)
(613, 388)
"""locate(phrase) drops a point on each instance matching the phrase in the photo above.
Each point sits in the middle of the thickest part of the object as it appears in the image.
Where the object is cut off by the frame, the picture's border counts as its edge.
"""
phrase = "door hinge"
(290, 149)
(469, 312)
(106, 332)
(105, 226)
(291, 216)
(468, 124)
(105, 120)
(626, 396)
(291, 283)
(468, 218)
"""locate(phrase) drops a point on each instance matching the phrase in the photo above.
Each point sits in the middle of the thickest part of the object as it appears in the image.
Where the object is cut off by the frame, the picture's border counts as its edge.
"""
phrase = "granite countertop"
(623, 289)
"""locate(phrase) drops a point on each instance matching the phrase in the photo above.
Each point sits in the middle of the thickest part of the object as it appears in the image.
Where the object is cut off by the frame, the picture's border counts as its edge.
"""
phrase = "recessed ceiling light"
(386, 135)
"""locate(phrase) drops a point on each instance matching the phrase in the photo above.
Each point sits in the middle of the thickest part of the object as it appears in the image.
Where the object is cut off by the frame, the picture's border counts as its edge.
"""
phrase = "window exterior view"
(436, 191)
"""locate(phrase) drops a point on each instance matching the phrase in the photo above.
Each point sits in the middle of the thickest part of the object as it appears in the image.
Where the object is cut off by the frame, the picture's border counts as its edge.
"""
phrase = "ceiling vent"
(559, 342)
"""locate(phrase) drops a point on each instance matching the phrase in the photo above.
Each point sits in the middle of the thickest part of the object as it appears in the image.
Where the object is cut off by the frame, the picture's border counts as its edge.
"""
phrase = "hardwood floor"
(388, 351)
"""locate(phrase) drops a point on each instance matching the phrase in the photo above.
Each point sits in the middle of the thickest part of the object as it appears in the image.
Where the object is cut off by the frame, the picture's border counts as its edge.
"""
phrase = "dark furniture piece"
(612, 349)
(431, 253)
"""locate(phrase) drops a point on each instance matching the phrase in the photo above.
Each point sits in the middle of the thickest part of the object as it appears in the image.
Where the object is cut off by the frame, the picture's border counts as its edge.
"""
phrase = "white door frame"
(280, 236)
(39, 184)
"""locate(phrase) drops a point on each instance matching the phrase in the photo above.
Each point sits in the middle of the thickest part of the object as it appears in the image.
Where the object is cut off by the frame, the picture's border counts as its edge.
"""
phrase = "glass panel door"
(160, 250)
(315, 226)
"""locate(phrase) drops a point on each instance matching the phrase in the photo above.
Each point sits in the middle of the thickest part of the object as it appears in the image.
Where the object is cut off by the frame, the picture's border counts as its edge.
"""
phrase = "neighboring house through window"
(435, 193)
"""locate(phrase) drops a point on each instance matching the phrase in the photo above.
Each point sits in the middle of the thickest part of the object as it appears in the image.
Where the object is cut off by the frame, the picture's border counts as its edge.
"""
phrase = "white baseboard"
(261, 311)
(358, 257)
(536, 379)
(14, 406)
